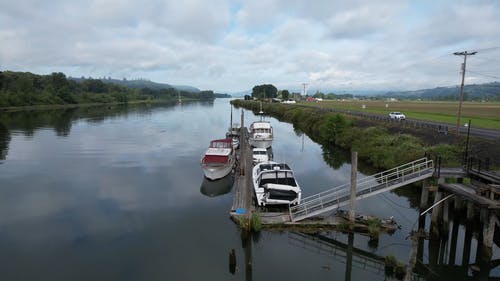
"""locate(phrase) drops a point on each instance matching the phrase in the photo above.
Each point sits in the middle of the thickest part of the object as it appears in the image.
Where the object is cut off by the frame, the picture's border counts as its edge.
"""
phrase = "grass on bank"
(376, 146)
(483, 115)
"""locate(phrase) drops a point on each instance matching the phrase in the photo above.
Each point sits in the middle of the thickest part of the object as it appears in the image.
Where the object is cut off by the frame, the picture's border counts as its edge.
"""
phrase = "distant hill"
(474, 92)
(223, 96)
(142, 83)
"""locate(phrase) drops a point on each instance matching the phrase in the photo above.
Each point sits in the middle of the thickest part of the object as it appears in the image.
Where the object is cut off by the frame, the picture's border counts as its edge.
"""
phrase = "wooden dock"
(469, 192)
(243, 202)
(243, 190)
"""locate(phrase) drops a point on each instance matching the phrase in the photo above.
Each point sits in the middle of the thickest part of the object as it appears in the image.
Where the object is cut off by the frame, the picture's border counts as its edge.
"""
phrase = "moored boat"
(274, 184)
(261, 134)
(234, 133)
(259, 155)
(219, 159)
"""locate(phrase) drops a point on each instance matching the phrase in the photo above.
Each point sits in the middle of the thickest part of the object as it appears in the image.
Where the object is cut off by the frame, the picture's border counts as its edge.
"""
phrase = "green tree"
(265, 91)
(285, 94)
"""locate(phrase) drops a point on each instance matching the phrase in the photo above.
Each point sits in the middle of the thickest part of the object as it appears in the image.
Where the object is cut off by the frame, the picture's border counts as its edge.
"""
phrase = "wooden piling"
(435, 211)
(354, 172)
(489, 230)
(470, 211)
(424, 197)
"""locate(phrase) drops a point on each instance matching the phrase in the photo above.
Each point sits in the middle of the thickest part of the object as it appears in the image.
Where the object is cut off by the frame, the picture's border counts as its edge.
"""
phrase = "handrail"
(365, 185)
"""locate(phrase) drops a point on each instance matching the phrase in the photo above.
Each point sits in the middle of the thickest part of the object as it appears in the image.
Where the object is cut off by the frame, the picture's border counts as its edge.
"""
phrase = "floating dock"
(243, 202)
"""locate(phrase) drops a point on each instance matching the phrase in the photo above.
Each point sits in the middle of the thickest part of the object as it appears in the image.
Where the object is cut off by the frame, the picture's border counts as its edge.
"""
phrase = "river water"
(117, 193)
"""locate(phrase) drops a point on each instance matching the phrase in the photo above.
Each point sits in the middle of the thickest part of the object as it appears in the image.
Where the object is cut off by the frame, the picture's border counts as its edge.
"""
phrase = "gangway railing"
(365, 187)
(326, 246)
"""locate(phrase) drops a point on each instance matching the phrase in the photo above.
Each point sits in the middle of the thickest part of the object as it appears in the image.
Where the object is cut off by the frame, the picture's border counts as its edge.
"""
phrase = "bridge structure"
(329, 200)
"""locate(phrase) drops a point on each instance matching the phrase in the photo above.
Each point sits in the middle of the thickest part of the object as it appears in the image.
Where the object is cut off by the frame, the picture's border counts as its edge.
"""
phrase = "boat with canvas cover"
(274, 184)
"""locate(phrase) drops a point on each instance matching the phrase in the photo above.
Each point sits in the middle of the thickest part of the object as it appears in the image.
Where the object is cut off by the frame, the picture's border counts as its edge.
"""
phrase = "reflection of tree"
(335, 157)
(411, 192)
(61, 119)
(4, 141)
(62, 122)
(298, 132)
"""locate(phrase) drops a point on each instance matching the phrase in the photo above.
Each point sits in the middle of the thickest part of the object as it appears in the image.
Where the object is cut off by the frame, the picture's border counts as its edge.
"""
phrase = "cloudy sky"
(230, 46)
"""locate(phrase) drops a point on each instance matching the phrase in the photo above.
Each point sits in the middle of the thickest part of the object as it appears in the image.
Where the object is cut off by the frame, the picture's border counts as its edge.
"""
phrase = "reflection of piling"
(348, 264)
(232, 261)
(454, 239)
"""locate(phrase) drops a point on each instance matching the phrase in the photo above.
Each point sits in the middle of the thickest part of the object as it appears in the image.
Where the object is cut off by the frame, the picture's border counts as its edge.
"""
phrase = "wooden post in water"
(424, 197)
(489, 230)
(435, 211)
(470, 211)
(446, 214)
(354, 171)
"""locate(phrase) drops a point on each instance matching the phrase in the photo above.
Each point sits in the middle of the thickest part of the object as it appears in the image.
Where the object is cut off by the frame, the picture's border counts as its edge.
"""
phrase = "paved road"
(478, 132)
(439, 127)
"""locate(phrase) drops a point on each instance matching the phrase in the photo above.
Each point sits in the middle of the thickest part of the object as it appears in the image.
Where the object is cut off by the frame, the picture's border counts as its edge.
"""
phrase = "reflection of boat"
(275, 184)
(219, 159)
(261, 134)
(218, 187)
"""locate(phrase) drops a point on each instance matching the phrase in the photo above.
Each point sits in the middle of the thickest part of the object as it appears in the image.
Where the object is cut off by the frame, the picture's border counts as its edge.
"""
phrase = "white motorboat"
(234, 133)
(259, 155)
(275, 184)
(261, 134)
(219, 159)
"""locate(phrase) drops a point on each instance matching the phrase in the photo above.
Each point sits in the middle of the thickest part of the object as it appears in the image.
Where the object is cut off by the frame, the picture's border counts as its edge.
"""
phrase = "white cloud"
(232, 45)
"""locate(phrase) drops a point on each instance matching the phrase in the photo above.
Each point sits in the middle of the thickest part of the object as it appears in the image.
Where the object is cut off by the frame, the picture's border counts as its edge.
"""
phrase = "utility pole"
(304, 84)
(461, 99)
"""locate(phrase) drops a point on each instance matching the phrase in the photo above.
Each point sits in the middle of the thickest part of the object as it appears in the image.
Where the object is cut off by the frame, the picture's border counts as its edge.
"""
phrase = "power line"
(486, 75)
(487, 49)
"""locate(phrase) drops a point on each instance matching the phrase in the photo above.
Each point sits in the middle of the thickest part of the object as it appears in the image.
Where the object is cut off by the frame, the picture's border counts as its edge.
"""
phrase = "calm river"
(117, 193)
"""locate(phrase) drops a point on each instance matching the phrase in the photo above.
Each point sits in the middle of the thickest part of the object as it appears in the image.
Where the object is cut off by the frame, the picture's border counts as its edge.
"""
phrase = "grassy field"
(483, 115)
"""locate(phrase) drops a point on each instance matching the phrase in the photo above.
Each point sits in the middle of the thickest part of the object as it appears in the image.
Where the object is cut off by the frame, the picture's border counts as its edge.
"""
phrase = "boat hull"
(260, 143)
(214, 172)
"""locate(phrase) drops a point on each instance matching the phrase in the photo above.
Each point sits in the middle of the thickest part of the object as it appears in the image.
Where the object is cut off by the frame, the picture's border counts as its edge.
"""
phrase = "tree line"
(25, 89)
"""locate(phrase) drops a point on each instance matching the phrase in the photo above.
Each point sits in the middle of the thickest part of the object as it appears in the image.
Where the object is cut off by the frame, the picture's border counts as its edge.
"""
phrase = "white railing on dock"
(339, 196)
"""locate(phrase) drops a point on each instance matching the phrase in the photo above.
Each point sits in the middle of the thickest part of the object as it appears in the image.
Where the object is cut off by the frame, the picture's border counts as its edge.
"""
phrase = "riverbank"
(380, 146)
(64, 106)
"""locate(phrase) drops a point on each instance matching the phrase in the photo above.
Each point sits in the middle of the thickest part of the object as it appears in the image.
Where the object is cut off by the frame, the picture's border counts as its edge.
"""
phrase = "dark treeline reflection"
(61, 120)
(4, 141)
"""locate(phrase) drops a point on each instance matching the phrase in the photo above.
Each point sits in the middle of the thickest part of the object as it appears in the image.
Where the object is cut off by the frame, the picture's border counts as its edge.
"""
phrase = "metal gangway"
(339, 196)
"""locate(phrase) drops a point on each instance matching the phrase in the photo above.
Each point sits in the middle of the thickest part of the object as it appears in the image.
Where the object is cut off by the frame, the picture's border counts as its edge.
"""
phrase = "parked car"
(397, 115)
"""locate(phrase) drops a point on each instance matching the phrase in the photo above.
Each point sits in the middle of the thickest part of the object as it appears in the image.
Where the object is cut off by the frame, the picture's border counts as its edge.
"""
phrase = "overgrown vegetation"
(28, 89)
(374, 228)
(250, 224)
(394, 267)
(376, 146)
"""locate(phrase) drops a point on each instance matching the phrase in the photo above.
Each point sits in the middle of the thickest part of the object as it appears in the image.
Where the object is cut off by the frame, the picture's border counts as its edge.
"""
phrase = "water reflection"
(335, 157)
(4, 141)
(62, 120)
(212, 188)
